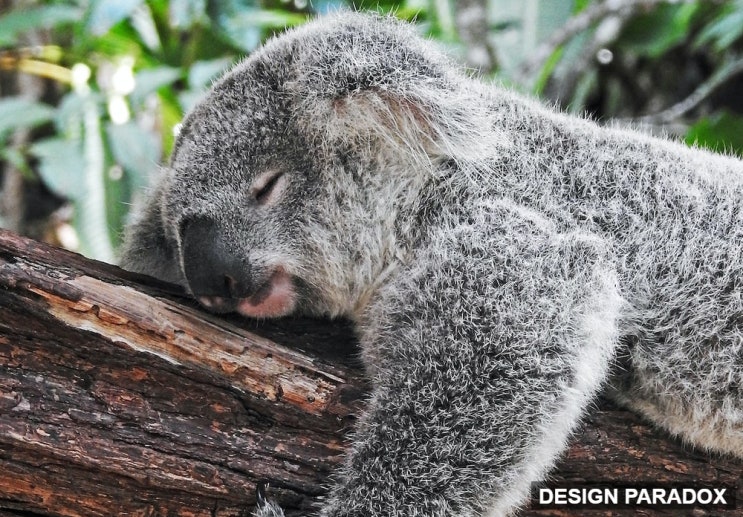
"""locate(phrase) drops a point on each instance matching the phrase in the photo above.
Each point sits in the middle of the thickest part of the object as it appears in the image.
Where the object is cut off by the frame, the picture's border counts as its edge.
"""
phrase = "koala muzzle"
(212, 270)
(223, 281)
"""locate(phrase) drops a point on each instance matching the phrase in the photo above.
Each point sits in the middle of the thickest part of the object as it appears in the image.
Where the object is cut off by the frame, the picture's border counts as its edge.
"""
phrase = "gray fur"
(501, 261)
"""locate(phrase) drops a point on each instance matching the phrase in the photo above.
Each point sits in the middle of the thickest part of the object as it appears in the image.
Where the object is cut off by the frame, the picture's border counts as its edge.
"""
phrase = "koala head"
(293, 186)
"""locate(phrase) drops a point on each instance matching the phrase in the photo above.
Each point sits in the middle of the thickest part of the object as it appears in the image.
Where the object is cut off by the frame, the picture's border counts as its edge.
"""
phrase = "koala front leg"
(486, 352)
(483, 354)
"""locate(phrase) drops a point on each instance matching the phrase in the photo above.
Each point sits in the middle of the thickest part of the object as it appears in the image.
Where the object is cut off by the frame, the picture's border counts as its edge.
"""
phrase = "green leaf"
(186, 13)
(18, 21)
(580, 5)
(68, 118)
(586, 84)
(90, 219)
(61, 166)
(117, 200)
(19, 112)
(331, 6)
(16, 158)
(143, 22)
(170, 114)
(246, 38)
(152, 79)
(135, 149)
(547, 69)
(725, 30)
(190, 98)
(242, 22)
(107, 13)
(722, 131)
(655, 33)
(202, 73)
(120, 40)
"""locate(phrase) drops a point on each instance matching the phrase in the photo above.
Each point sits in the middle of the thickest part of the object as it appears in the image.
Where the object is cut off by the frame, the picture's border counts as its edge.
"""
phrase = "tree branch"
(733, 67)
(118, 396)
(472, 25)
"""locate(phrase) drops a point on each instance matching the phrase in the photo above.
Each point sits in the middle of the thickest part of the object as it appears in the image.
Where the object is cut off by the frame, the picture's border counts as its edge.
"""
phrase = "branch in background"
(471, 20)
(24, 78)
(578, 23)
(605, 34)
(12, 199)
(11, 188)
(733, 67)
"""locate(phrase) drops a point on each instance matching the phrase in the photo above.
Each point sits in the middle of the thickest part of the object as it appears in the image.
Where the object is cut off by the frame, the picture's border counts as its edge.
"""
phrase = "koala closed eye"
(267, 187)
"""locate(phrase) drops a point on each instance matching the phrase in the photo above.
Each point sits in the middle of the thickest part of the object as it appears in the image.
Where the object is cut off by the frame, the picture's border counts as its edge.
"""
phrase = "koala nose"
(211, 269)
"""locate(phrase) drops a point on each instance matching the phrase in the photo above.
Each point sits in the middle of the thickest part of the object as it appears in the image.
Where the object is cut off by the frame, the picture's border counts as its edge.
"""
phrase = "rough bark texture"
(118, 396)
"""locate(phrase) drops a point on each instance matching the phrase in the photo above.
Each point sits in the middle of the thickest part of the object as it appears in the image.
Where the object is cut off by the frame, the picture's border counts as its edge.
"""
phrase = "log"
(120, 396)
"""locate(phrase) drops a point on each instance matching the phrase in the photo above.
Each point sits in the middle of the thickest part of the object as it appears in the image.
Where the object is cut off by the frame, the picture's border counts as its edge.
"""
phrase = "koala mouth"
(274, 298)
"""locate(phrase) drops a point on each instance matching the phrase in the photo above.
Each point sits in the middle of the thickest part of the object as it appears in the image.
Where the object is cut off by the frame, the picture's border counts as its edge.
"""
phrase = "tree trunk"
(119, 396)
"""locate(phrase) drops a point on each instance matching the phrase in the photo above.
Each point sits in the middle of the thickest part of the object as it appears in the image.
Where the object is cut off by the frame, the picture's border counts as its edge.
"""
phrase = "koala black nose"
(211, 268)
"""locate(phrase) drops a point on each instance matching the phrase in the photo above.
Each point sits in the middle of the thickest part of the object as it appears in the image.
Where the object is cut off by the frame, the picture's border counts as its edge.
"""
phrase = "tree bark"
(119, 396)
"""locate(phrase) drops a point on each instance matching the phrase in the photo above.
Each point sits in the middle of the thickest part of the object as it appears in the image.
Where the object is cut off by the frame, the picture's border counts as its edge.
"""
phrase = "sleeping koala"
(498, 259)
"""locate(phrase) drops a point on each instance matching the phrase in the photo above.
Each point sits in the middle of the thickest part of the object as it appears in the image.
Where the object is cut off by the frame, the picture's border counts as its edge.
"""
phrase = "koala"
(501, 262)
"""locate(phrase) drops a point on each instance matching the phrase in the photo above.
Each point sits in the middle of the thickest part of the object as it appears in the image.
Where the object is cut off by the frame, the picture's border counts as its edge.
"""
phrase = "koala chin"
(502, 262)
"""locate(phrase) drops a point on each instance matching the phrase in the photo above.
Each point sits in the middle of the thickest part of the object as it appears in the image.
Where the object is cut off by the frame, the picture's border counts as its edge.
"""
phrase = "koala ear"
(393, 119)
(367, 81)
(423, 121)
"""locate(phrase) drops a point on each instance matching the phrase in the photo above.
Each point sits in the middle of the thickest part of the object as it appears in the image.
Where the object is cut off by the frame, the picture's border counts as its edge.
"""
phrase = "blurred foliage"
(118, 75)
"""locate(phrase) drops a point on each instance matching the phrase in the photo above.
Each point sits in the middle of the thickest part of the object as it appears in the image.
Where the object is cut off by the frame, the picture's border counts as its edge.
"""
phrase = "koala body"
(502, 262)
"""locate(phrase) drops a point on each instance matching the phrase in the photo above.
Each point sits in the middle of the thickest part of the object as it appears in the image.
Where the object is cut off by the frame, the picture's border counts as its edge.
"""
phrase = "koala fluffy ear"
(400, 122)
(422, 121)
(420, 124)
(367, 84)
